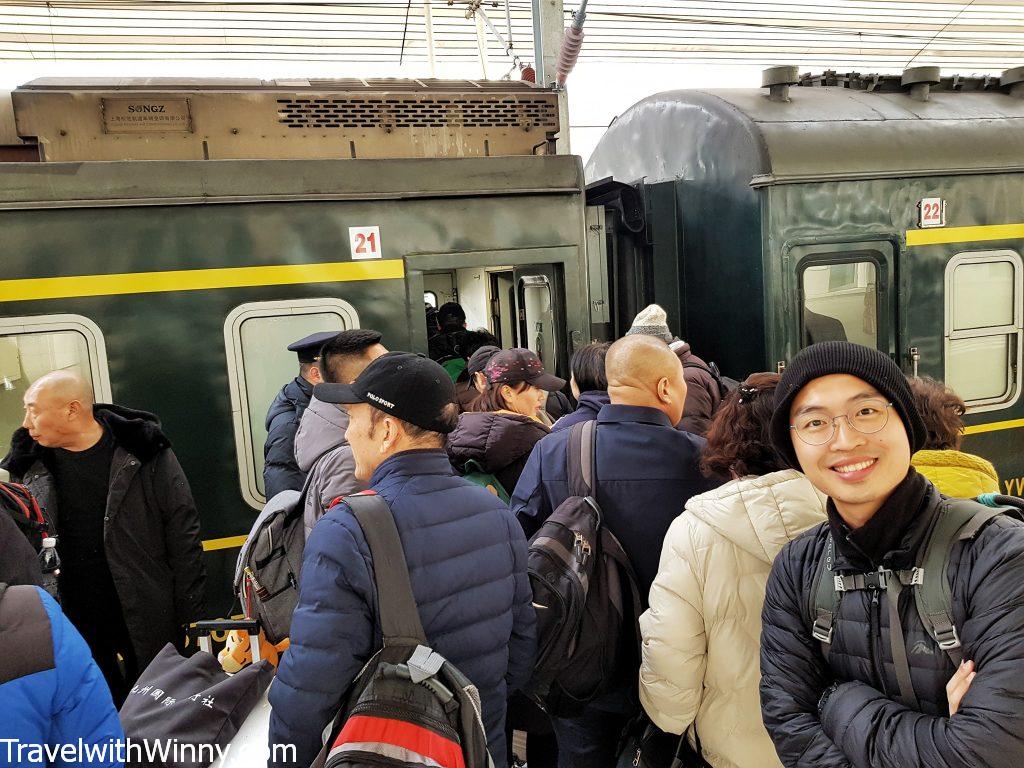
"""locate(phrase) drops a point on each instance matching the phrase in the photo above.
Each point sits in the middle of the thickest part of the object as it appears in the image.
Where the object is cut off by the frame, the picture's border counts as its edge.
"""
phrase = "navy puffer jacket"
(280, 470)
(467, 561)
(863, 723)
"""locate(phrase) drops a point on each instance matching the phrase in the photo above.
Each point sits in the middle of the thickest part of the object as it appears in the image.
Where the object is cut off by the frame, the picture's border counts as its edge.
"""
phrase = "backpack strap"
(582, 459)
(958, 520)
(825, 606)
(829, 590)
(399, 617)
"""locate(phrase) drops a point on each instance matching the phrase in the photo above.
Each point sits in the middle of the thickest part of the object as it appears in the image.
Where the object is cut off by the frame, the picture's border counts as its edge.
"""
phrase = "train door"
(439, 288)
(503, 306)
(519, 295)
(537, 311)
(844, 294)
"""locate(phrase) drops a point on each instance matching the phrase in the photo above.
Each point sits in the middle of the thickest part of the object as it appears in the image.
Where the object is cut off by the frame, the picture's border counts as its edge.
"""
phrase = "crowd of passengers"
(729, 501)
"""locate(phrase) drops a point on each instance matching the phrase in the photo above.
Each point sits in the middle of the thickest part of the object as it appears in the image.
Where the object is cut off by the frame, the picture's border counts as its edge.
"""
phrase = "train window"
(984, 331)
(840, 302)
(33, 346)
(430, 299)
(256, 336)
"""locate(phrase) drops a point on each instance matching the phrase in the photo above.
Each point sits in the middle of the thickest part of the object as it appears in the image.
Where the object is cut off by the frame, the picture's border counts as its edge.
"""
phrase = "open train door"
(540, 314)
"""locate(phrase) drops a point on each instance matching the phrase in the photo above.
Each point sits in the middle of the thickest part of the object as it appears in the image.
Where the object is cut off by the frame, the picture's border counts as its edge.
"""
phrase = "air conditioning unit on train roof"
(79, 119)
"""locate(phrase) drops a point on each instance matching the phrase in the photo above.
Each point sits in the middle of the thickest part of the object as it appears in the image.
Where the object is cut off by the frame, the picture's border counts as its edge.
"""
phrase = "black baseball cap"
(408, 386)
(510, 366)
(479, 359)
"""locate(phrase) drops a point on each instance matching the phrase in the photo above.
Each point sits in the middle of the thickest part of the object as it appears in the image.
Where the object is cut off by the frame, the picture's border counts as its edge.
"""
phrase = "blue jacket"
(586, 409)
(646, 472)
(51, 701)
(467, 561)
(280, 469)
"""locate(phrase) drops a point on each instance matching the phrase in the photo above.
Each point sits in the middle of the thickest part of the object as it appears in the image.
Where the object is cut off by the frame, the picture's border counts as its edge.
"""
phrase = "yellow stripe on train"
(34, 289)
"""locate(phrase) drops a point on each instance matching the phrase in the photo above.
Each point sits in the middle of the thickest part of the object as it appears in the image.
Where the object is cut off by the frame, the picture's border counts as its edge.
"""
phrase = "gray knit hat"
(829, 357)
(652, 321)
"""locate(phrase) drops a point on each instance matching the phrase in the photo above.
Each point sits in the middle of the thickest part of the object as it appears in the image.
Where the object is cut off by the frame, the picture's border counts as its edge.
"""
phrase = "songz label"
(364, 242)
(931, 212)
(142, 115)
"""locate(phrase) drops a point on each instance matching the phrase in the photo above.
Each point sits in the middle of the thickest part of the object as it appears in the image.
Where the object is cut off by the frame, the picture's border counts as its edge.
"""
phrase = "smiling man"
(854, 673)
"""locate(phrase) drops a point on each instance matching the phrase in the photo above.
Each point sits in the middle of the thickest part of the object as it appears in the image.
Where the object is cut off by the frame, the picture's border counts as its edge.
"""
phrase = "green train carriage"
(888, 210)
(174, 285)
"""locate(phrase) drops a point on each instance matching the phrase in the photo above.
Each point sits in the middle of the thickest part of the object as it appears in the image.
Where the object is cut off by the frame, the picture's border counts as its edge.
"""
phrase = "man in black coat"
(878, 690)
(280, 469)
(132, 574)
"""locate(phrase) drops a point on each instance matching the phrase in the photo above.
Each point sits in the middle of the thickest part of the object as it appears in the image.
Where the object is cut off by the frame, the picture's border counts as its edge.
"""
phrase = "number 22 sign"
(364, 242)
(931, 212)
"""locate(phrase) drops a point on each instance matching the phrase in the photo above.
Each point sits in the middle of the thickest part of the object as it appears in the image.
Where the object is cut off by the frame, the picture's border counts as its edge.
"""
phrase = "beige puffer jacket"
(701, 634)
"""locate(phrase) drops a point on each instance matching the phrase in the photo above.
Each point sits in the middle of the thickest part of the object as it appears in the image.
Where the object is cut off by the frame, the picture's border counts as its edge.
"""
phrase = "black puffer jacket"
(150, 531)
(19, 563)
(500, 441)
(862, 722)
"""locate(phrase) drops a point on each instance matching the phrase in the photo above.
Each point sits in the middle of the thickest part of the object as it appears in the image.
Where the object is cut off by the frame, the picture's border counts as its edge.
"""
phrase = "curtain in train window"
(840, 303)
(258, 334)
(983, 328)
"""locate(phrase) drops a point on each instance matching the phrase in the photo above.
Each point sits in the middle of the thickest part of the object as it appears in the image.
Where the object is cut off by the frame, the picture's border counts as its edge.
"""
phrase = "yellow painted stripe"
(230, 542)
(31, 289)
(995, 426)
(942, 235)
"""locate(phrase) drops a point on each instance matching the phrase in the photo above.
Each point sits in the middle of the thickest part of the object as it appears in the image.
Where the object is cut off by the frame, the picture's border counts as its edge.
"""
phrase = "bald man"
(646, 472)
(127, 529)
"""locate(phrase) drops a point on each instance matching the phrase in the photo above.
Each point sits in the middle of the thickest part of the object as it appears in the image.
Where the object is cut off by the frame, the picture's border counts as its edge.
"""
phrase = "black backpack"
(585, 595)
(956, 520)
(725, 384)
(17, 501)
(407, 693)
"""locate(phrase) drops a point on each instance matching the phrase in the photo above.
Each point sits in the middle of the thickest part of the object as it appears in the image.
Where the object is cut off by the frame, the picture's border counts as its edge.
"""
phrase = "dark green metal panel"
(763, 185)
(848, 215)
(166, 350)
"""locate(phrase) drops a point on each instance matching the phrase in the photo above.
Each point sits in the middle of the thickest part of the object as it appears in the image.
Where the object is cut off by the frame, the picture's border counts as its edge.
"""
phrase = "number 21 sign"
(364, 242)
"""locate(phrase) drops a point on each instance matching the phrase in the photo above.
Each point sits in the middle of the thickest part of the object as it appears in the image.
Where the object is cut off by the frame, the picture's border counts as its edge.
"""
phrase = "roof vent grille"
(389, 113)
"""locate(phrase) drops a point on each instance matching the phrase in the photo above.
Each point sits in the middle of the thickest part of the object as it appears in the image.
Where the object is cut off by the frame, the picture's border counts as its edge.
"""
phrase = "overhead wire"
(279, 27)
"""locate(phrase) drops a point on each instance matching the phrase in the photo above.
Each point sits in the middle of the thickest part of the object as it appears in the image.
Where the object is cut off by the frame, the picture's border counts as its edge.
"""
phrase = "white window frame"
(236, 374)
(1016, 329)
(99, 370)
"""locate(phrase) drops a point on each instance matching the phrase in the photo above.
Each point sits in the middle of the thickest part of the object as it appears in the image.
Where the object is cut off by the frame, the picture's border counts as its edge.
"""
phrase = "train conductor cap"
(308, 347)
(408, 386)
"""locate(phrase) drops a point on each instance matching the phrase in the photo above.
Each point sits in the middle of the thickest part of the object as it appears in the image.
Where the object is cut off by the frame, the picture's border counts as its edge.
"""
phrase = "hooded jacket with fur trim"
(151, 526)
(701, 632)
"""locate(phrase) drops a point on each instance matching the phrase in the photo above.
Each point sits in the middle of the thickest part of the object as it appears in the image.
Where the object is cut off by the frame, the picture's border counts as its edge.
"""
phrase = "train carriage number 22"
(365, 242)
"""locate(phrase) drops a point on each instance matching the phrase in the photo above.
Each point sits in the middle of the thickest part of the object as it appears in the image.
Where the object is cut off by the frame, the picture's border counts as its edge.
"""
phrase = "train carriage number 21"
(365, 242)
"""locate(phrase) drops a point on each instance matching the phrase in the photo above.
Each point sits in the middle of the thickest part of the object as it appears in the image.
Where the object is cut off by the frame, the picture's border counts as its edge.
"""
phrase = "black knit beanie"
(874, 367)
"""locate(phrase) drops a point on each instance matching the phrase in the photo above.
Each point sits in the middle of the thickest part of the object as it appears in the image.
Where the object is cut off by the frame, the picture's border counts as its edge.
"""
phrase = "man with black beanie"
(862, 665)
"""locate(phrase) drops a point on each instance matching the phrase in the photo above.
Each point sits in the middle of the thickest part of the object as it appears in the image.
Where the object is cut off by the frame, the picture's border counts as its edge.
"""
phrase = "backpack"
(17, 501)
(270, 561)
(584, 592)
(957, 520)
(476, 474)
(725, 384)
(409, 705)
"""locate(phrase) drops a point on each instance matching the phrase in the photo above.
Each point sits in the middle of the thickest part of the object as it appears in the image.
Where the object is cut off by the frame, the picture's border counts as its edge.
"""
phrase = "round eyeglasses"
(818, 428)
